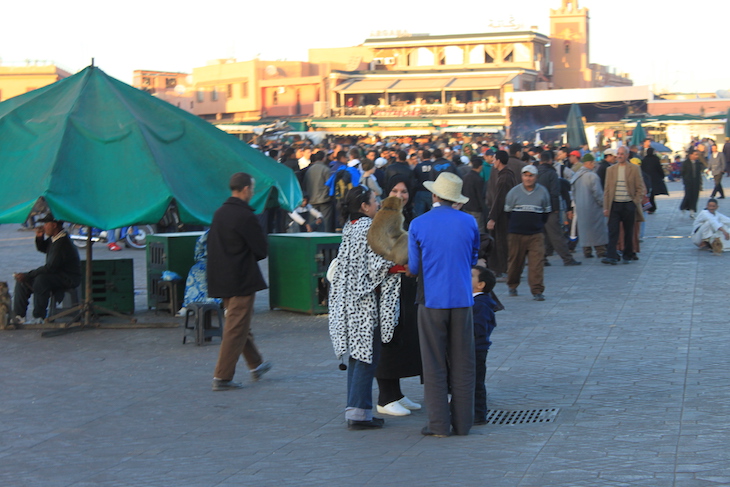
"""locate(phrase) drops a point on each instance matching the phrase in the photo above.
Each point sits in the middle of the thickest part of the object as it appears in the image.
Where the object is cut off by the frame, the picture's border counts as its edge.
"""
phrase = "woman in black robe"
(692, 179)
(401, 357)
(652, 167)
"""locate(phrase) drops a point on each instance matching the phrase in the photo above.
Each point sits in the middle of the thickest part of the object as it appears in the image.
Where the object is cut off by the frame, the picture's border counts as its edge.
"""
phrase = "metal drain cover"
(498, 416)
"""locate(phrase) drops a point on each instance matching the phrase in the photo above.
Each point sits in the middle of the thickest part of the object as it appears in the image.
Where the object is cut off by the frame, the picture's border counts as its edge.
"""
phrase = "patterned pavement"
(635, 356)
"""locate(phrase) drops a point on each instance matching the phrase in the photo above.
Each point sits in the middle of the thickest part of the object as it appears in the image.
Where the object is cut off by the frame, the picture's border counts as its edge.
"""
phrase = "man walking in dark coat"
(474, 189)
(547, 177)
(235, 243)
(62, 271)
(501, 180)
(652, 167)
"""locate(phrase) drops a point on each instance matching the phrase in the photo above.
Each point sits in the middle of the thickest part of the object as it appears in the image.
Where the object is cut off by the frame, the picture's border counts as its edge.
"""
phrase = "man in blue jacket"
(442, 247)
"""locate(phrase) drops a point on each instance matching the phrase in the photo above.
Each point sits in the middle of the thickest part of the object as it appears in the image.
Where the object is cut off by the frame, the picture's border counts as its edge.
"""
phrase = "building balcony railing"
(415, 111)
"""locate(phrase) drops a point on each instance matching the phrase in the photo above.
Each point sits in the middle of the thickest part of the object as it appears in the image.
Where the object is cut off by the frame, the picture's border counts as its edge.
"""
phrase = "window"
(522, 53)
(170, 82)
(214, 94)
(199, 96)
(421, 57)
(275, 98)
(454, 55)
(229, 91)
(244, 89)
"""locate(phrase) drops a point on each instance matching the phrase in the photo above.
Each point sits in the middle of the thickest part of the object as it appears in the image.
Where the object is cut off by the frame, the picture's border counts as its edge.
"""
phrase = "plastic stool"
(167, 297)
(202, 315)
(69, 297)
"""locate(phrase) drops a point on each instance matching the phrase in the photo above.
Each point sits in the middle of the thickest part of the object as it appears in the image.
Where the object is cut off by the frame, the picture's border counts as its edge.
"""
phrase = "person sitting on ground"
(710, 229)
(61, 271)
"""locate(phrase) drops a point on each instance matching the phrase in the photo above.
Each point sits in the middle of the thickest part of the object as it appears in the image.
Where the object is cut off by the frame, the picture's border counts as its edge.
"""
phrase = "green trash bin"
(112, 284)
(298, 264)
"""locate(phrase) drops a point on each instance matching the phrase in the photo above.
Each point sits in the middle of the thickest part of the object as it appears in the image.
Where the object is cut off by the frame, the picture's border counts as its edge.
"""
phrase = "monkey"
(386, 235)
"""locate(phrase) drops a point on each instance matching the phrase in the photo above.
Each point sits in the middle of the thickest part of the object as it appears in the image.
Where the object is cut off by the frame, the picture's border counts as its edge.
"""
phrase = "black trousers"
(389, 391)
(41, 287)
(555, 238)
(480, 391)
(621, 213)
(446, 337)
(718, 187)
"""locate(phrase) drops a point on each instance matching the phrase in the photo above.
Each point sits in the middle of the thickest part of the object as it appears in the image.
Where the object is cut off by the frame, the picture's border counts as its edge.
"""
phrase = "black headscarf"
(408, 208)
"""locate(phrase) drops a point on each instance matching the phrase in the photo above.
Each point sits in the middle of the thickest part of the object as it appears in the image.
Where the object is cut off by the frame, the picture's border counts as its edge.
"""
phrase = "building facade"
(397, 83)
(16, 80)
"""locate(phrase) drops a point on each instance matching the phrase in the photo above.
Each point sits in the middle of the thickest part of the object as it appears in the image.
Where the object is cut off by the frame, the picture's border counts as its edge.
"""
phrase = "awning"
(419, 85)
(348, 131)
(366, 86)
(405, 133)
(478, 83)
(362, 123)
(471, 129)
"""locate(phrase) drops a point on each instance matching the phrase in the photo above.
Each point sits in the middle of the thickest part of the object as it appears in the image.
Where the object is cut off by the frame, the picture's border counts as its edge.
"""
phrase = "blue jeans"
(422, 203)
(360, 384)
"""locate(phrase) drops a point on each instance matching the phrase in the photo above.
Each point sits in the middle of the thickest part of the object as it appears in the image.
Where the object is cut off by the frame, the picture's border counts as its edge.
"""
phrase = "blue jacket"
(442, 248)
(484, 320)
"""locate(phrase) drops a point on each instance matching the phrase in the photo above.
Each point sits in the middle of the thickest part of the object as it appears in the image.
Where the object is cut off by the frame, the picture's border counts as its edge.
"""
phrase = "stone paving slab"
(635, 356)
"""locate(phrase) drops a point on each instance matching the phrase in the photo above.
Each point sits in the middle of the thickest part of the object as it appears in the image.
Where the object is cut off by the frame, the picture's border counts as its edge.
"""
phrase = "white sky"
(662, 43)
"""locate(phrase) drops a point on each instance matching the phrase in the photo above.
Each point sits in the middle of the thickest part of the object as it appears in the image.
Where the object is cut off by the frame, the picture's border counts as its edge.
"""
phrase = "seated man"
(62, 271)
(710, 229)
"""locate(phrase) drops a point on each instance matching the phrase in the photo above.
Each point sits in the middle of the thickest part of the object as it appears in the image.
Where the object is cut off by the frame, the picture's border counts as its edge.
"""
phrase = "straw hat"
(448, 187)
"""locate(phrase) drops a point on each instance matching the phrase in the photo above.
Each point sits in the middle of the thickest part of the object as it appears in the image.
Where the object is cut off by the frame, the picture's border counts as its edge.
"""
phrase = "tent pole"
(89, 300)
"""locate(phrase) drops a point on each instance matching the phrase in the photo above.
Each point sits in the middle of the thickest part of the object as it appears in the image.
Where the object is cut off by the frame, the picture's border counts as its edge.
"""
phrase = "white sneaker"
(408, 404)
(35, 321)
(393, 409)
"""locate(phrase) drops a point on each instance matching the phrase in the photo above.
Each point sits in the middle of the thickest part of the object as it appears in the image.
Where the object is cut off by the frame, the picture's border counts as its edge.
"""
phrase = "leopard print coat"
(354, 307)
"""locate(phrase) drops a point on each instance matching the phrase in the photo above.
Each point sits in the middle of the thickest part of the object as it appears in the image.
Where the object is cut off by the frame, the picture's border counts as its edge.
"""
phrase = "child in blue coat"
(482, 283)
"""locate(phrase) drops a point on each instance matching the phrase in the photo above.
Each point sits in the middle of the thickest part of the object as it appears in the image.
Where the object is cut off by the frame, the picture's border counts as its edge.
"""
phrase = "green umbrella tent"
(575, 130)
(638, 135)
(104, 154)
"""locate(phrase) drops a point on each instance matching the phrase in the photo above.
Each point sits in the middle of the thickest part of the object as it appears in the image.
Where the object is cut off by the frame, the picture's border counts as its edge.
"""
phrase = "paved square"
(636, 358)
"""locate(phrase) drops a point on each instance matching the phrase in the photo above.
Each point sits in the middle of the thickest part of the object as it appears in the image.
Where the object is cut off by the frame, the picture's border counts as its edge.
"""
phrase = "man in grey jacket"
(716, 163)
(315, 182)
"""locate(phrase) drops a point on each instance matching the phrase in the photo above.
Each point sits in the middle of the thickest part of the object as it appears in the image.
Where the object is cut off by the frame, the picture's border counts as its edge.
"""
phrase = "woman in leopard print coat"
(363, 306)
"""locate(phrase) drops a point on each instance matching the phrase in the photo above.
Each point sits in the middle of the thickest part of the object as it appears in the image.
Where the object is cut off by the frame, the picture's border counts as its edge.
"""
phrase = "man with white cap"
(529, 207)
(442, 247)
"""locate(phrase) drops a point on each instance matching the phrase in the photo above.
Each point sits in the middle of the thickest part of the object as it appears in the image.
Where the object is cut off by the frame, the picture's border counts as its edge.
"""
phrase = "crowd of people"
(475, 214)
(412, 287)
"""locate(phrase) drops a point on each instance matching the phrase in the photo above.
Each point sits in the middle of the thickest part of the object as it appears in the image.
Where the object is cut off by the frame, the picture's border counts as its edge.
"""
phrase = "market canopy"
(576, 131)
(638, 135)
(105, 154)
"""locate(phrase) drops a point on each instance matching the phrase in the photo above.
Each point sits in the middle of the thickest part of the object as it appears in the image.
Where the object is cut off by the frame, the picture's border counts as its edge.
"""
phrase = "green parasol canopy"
(576, 131)
(105, 154)
(638, 135)
(727, 125)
